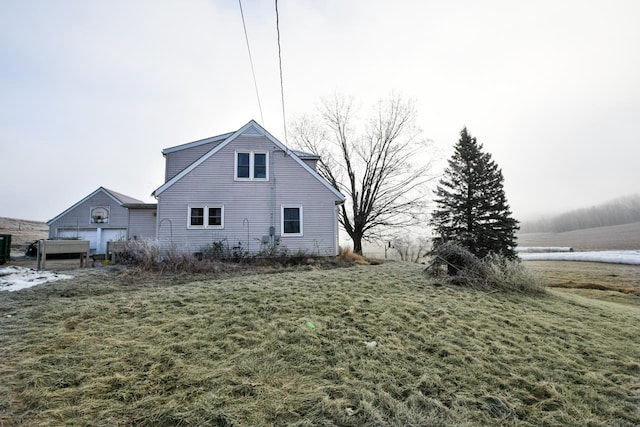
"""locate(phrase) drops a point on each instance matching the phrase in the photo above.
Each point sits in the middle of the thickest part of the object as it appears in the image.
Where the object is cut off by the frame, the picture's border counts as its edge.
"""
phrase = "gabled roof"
(119, 198)
(251, 128)
(305, 156)
(122, 198)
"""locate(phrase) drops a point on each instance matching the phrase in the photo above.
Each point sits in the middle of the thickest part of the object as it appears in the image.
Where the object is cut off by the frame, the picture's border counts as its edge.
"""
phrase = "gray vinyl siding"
(311, 163)
(142, 224)
(79, 217)
(177, 161)
(253, 203)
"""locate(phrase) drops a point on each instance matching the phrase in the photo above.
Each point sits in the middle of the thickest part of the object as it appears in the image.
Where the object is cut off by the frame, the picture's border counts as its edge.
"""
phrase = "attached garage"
(104, 216)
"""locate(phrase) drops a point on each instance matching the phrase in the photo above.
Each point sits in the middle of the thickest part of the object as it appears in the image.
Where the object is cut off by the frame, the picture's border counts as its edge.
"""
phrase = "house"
(105, 215)
(248, 190)
(244, 189)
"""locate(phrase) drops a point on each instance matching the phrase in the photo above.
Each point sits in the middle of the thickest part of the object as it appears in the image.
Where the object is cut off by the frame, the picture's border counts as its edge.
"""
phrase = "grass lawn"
(290, 348)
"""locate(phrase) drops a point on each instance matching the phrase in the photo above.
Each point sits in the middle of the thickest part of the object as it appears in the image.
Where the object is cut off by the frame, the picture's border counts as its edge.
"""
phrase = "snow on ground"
(614, 257)
(14, 278)
(544, 249)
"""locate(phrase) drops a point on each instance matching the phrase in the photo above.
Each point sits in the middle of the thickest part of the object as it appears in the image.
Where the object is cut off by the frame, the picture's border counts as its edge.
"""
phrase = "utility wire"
(255, 83)
(284, 119)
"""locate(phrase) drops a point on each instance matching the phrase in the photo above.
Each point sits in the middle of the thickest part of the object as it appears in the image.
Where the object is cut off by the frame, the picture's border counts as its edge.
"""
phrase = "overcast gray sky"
(92, 91)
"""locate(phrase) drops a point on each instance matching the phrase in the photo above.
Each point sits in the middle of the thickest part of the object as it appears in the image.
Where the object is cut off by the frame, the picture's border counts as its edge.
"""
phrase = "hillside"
(625, 236)
(624, 210)
(368, 345)
(23, 231)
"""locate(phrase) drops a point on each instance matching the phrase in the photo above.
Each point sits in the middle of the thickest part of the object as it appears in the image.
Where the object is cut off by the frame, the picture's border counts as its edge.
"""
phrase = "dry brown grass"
(347, 255)
(625, 236)
(23, 231)
(112, 347)
(619, 282)
(456, 265)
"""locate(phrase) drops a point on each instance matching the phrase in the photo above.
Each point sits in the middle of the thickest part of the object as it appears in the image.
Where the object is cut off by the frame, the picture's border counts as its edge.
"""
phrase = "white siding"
(256, 203)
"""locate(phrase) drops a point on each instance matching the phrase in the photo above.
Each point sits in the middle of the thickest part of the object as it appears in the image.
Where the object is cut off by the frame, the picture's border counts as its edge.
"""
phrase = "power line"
(284, 119)
(253, 72)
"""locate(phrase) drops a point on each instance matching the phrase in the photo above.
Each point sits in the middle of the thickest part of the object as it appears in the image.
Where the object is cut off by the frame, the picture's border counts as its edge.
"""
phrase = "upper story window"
(205, 217)
(251, 166)
(243, 165)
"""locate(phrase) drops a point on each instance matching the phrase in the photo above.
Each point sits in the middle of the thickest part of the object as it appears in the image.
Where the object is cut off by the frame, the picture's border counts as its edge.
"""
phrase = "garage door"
(74, 233)
(112, 235)
(97, 244)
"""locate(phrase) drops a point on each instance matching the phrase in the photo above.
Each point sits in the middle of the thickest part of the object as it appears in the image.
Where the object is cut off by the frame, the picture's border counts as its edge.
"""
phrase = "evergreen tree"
(472, 209)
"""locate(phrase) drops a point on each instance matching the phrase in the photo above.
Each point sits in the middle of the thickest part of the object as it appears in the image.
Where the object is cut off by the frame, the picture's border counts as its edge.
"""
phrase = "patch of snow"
(14, 278)
(614, 257)
(530, 249)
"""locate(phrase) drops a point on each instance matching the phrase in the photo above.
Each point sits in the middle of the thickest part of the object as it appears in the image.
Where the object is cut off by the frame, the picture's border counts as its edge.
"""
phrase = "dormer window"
(251, 166)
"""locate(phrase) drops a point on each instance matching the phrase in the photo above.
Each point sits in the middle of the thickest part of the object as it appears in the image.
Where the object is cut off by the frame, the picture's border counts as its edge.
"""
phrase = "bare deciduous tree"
(411, 248)
(377, 169)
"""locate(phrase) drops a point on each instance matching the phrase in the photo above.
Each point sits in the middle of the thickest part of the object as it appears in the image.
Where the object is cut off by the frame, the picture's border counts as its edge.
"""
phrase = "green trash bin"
(5, 248)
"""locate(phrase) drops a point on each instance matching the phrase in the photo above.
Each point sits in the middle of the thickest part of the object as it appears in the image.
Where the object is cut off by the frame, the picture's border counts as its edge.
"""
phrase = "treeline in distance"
(625, 210)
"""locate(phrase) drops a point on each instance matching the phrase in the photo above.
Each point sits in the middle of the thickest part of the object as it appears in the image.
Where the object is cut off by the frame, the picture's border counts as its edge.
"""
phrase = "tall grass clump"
(493, 272)
(213, 258)
(140, 253)
(348, 256)
(147, 255)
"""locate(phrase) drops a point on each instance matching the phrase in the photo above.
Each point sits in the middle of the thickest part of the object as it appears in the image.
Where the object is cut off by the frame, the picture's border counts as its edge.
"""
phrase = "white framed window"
(251, 166)
(204, 216)
(291, 223)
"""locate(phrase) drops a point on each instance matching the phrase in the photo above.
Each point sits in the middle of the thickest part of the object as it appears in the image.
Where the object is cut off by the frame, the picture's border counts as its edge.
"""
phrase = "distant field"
(615, 237)
(23, 231)
(615, 282)
(362, 346)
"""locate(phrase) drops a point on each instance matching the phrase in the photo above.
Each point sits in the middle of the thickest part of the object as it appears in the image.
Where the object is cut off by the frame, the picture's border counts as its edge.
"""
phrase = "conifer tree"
(472, 210)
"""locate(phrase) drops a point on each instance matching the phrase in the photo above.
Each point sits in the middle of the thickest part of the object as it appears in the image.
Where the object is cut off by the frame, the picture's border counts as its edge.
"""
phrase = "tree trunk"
(357, 244)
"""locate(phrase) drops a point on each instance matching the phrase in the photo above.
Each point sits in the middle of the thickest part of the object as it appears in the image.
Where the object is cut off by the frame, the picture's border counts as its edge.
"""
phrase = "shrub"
(216, 250)
(176, 261)
(147, 255)
(511, 275)
(221, 251)
(218, 257)
(493, 272)
(141, 253)
(273, 250)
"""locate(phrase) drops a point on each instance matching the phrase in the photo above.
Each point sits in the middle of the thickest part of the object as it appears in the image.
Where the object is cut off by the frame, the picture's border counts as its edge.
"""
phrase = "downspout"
(155, 196)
